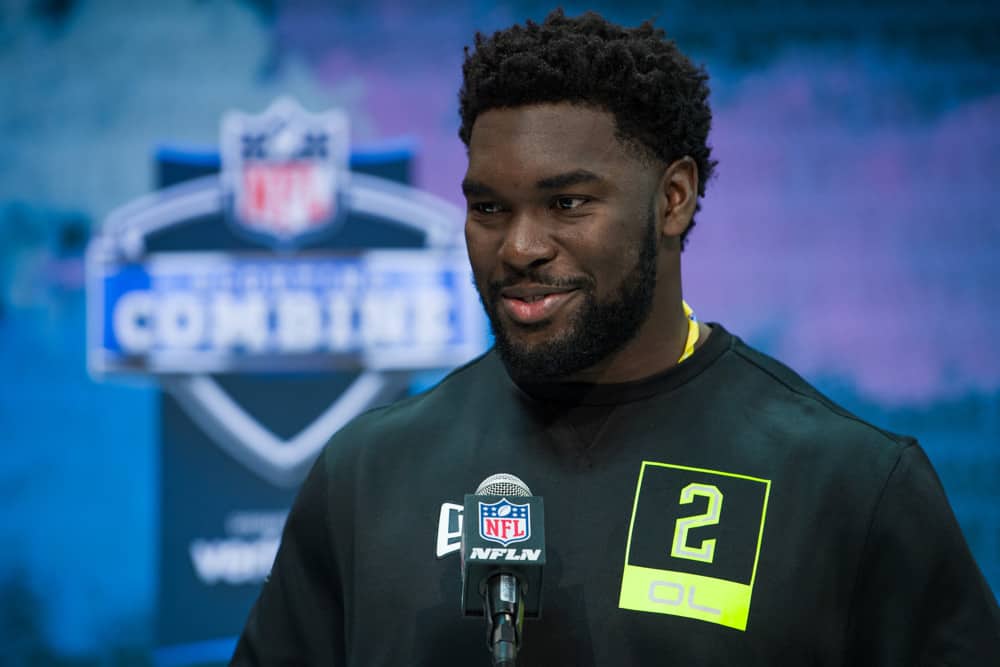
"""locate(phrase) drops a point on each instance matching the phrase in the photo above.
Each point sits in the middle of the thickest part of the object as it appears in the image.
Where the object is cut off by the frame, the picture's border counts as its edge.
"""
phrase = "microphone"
(503, 551)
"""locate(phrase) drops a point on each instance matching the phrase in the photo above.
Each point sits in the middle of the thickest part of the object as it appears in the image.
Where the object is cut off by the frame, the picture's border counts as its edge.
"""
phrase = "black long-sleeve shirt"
(721, 513)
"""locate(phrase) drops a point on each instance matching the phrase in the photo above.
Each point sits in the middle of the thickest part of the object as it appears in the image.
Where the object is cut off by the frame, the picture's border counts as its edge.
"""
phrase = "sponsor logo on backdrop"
(244, 555)
(290, 305)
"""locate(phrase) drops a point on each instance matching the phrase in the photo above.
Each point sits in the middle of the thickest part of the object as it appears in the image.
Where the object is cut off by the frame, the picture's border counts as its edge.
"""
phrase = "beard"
(596, 330)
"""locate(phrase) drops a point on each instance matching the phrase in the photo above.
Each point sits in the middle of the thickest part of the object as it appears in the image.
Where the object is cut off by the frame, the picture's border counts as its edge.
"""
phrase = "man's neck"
(650, 353)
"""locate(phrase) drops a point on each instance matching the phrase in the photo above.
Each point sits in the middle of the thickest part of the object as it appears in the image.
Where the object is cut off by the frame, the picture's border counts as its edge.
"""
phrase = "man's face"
(562, 236)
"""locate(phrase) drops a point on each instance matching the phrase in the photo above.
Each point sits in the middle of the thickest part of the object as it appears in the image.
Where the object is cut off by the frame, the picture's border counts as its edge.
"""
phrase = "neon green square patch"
(694, 543)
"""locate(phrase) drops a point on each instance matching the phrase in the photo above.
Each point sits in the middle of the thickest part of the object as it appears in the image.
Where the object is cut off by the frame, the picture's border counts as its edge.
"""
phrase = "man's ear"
(677, 197)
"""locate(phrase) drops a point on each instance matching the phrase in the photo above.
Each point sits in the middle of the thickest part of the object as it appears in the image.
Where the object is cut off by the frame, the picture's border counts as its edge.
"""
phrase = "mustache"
(538, 278)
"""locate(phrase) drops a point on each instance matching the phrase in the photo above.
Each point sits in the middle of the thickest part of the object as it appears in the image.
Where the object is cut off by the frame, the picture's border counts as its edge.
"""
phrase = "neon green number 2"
(706, 551)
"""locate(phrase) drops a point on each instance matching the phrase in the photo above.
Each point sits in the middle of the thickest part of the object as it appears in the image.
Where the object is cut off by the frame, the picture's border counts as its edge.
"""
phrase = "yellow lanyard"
(692, 338)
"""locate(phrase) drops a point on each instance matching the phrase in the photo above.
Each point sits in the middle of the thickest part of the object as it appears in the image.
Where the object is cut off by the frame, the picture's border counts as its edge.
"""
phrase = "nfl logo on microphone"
(504, 522)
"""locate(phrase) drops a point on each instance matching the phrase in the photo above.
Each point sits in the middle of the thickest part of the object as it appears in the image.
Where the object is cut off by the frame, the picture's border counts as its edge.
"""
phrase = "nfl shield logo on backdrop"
(284, 170)
(504, 522)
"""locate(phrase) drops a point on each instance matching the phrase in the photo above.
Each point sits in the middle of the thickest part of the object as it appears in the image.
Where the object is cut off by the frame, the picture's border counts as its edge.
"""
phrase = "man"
(704, 505)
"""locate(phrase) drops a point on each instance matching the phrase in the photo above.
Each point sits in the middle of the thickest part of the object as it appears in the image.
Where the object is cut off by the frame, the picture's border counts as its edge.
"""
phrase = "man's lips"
(530, 304)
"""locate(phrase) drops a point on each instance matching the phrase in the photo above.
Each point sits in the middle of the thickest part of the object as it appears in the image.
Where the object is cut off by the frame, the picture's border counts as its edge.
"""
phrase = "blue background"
(851, 232)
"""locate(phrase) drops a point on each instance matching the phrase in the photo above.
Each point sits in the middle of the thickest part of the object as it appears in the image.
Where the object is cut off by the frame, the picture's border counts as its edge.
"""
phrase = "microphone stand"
(506, 614)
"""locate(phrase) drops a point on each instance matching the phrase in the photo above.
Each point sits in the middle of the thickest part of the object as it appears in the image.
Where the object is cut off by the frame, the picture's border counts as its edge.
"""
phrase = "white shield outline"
(281, 462)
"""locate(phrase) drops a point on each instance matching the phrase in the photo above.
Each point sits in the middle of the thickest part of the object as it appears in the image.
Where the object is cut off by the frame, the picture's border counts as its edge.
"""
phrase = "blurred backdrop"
(851, 232)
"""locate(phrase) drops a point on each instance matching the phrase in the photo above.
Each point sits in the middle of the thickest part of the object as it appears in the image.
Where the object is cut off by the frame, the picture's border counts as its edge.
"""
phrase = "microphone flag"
(502, 535)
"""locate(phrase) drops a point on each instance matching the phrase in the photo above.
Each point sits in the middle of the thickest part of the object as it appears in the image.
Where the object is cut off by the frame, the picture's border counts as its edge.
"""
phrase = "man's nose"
(527, 243)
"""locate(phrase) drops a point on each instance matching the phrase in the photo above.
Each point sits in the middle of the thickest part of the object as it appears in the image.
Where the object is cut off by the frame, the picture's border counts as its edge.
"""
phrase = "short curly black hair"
(658, 97)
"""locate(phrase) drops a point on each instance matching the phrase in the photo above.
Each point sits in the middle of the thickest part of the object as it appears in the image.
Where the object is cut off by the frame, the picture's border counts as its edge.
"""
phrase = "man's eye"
(486, 207)
(569, 203)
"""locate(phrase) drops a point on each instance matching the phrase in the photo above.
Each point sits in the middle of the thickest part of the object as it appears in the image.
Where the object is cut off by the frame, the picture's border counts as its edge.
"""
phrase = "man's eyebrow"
(560, 181)
(471, 188)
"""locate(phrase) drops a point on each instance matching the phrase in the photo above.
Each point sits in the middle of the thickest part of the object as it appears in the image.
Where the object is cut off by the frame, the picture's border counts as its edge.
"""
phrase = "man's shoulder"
(421, 414)
(772, 387)
(482, 375)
